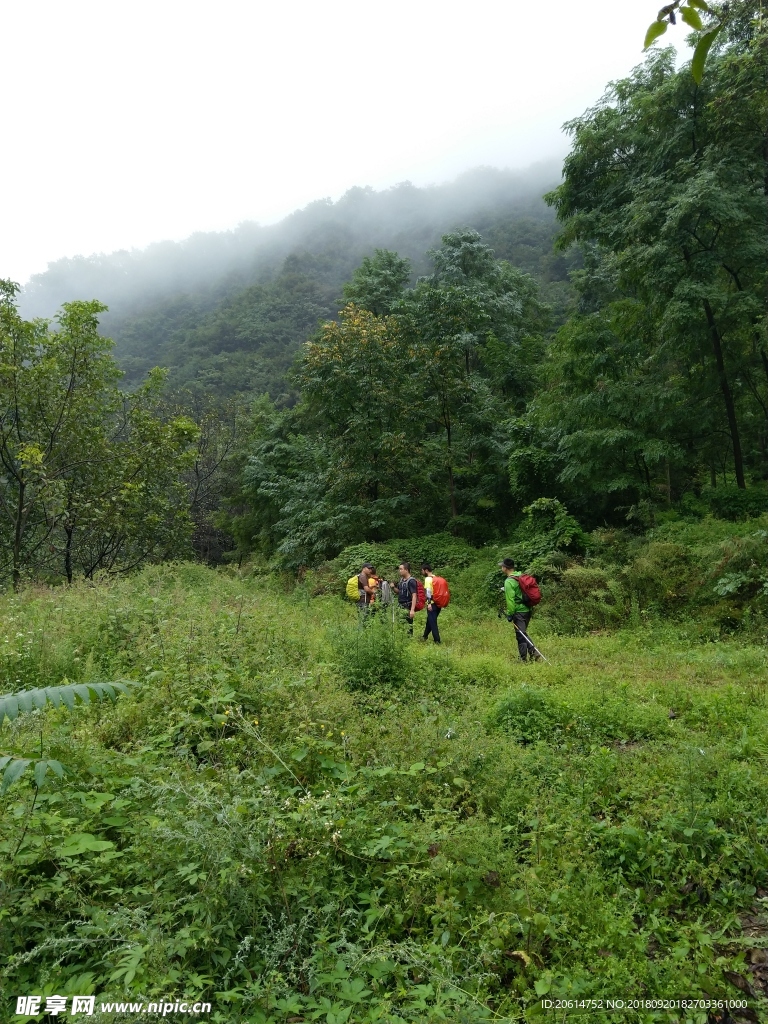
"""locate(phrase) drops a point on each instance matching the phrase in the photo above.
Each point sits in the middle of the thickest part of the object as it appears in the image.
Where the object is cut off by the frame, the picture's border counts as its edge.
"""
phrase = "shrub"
(665, 574)
(736, 503)
(532, 714)
(586, 598)
(372, 655)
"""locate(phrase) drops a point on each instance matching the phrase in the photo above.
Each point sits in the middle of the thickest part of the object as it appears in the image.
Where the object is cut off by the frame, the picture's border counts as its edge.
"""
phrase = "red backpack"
(441, 595)
(530, 590)
(421, 596)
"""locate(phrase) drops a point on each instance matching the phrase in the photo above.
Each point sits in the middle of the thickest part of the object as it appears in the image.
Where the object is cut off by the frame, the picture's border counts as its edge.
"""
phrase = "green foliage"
(403, 417)
(378, 282)
(663, 229)
(12, 704)
(24, 701)
(531, 715)
(585, 598)
(91, 476)
(374, 655)
(548, 528)
(438, 550)
(252, 830)
(14, 768)
(689, 13)
(735, 504)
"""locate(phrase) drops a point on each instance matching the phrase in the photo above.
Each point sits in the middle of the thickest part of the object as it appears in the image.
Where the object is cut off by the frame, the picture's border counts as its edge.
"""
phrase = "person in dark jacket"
(518, 612)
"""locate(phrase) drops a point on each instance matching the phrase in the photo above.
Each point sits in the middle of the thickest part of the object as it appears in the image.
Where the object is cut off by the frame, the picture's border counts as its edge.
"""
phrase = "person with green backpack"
(521, 593)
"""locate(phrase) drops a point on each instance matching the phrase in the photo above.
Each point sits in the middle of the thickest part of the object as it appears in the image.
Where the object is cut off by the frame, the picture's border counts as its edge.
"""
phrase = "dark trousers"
(432, 612)
(525, 647)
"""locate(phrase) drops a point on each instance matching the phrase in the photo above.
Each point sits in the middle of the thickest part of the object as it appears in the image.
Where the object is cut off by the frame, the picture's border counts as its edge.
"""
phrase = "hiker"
(518, 611)
(437, 597)
(373, 583)
(407, 594)
(365, 592)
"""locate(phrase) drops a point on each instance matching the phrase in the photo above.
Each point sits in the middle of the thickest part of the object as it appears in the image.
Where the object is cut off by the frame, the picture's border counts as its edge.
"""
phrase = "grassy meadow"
(302, 820)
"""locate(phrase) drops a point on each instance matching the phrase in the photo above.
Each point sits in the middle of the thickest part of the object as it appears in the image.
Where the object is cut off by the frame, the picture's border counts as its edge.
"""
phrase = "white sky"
(127, 123)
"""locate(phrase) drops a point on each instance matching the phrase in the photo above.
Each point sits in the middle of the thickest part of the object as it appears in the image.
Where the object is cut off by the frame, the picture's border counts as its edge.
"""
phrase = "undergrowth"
(301, 817)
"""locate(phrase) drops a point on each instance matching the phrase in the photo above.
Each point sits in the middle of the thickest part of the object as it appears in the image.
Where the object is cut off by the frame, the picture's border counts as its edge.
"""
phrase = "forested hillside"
(223, 780)
(228, 312)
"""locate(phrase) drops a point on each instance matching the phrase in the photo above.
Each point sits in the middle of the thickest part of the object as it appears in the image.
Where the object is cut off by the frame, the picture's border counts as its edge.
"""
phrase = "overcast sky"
(127, 123)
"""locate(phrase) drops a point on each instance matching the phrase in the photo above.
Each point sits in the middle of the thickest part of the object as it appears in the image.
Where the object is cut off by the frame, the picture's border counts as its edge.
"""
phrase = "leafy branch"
(689, 13)
(13, 704)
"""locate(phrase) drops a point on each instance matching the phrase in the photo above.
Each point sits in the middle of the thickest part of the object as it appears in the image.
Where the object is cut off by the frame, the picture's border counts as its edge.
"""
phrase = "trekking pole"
(525, 636)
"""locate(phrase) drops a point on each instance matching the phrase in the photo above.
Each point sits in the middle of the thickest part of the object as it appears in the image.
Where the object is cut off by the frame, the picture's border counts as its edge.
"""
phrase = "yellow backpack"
(353, 588)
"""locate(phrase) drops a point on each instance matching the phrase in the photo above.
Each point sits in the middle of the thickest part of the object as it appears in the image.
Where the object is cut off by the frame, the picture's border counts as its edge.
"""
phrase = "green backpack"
(353, 588)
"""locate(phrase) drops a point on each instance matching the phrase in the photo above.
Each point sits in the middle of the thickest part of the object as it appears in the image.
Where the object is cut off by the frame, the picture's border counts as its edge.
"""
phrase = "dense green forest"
(218, 780)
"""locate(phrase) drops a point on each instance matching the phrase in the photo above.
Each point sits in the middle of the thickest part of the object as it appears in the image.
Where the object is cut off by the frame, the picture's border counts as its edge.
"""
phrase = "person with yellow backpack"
(359, 587)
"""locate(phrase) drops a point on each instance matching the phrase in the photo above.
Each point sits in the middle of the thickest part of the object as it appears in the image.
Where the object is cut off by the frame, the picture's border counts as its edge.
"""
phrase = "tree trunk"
(69, 530)
(730, 409)
(18, 531)
(451, 488)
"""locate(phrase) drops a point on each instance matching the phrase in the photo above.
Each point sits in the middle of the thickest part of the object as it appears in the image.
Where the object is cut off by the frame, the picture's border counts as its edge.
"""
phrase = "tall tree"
(474, 334)
(378, 282)
(673, 198)
(87, 471)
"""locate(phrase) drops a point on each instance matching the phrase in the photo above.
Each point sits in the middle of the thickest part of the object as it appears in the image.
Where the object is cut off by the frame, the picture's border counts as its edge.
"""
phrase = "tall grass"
(300, 818)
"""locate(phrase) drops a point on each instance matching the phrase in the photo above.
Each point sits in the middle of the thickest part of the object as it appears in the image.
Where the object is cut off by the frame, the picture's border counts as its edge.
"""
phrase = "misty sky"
(127, 123)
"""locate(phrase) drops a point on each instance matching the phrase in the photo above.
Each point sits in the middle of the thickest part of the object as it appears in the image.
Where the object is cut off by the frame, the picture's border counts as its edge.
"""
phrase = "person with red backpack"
(438, 595)
(411, 595)
(521, 593)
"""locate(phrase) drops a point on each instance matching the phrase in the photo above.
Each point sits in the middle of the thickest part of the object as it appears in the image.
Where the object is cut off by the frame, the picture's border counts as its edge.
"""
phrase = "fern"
(14, 704)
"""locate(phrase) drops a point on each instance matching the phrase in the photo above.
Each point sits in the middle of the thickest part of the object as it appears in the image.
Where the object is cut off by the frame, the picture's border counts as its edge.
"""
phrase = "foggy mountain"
(228, 310)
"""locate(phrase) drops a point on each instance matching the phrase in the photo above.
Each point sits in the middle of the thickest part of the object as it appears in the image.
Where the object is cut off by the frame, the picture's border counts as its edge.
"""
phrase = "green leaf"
(701, 4)
(543, 985)
(40, 771)
(39, 698)
(656, 29)
(701, 51)
(82, 842)
(57, 768)
(9, 707)
(67, 695)
(26, 700)
(14, 771)
(692, 18)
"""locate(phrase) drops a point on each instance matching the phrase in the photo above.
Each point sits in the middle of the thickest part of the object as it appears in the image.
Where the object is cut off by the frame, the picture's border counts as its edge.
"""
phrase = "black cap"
(506, 563)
